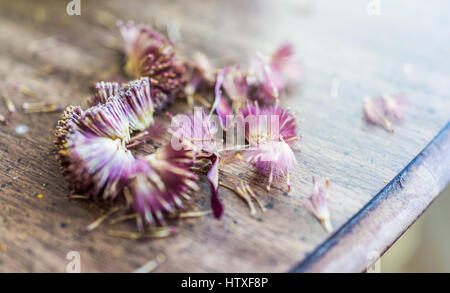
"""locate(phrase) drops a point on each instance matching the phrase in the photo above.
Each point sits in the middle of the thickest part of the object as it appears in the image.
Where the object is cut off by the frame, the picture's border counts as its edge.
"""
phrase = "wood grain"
(387, 215)
(368, 55)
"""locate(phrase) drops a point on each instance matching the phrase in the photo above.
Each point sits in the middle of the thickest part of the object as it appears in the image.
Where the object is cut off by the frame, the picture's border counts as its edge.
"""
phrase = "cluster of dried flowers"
(94, 152)
(93, 145)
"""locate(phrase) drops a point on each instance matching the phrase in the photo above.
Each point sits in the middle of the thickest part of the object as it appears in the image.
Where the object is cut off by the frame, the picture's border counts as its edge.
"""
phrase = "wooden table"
(380, 182)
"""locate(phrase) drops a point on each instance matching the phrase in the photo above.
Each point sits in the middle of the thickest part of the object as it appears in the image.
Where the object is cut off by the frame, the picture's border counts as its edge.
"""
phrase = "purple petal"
(213, 178)
(221, 105)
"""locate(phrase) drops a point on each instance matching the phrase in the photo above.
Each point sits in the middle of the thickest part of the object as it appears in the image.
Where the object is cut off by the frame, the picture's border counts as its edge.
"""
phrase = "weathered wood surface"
(405, 49)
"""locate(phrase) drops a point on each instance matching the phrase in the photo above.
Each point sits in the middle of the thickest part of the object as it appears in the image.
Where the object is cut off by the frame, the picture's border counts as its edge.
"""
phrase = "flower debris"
(94, 145)
(384, 110)
(317, 204)
(9, 105)
(151, 265)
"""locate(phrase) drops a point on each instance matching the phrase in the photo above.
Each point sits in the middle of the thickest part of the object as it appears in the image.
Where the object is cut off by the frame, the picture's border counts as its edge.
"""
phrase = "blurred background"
(424, 248)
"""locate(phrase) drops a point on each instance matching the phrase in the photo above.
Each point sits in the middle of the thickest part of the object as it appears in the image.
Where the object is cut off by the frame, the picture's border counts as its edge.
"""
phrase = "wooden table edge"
(368, 234)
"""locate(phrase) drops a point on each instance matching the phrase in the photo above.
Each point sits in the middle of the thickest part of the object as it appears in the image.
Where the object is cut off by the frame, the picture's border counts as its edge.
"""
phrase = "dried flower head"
(284, 68)
(268, 75)
(97, 166)
(272, 133)
(135, 101)
(94, 157)
(103, 91)
(93, 150)
(106, 120)
(159, 183)
(139, 104)
(317, 204)
(71, 115)
(140, 41)
(150, 54)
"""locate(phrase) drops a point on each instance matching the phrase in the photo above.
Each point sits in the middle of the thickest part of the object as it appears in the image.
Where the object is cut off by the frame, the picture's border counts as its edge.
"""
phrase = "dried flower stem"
(194, 214)
(123, 218)
(137, 139)
(154, 233)
(41, 107)
(9, 105)
(47, 70)
(27, 92)
(151, 265)
(253, 195)
(242, 192)
(124, 234)
(77, 196)
(135, 143)
(100, 220)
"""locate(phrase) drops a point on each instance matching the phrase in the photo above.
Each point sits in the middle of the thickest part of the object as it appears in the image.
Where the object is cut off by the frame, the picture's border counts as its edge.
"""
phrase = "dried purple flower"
(261, 82)
(140, 100)
(71, 115)
(97, 166)
(139, 41)
(198, 133)
(91, 149)
(104, 91)
(272, 133)
(318, 206)
(159, 183)
(106, 120)
(283, 67)
(268, 75)
(150, 54)
(135, 100)
(95, 160)
(139, 104)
